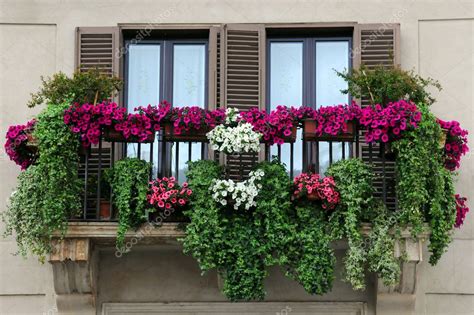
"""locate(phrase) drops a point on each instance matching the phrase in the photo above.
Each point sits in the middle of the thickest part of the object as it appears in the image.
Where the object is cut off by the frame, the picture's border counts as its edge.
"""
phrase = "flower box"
(309, 132)
(194, 135)
(113, 135)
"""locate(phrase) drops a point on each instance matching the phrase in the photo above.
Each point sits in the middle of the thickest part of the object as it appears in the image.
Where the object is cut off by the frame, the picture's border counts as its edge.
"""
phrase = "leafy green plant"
(310, 256)
(129, 181)
(240, 245)
(383, 85)
(354, 181)
(47, 193)
(83, 87)
(424, 187)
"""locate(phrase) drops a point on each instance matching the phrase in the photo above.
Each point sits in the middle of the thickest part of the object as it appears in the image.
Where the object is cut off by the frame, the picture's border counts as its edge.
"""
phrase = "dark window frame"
(309, 92)
(166, 85)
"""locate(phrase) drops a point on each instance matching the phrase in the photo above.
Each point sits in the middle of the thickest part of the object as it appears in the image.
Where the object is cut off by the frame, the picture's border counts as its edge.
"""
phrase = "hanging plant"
(456, 143)
(19, 145)
(240, 245)
(386, 124)
(166, 194)
(48, 193)
(234, 140)
(129, 181)
(240, 194)
(461, 210)
(313, 187)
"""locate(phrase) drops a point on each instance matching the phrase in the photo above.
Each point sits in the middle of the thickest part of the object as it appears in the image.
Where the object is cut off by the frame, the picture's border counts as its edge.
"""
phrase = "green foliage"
(424, 187)
(310, 257)
(380, 246)
(48, 192)
(354, 181)
(83, 87)
(383, 85)
(129, 181)
(240, 245)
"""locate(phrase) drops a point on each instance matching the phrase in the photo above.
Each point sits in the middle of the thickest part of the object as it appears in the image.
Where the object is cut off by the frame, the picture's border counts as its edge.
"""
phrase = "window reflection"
(143, 88)
(330, 56)
(286, 88)
(189, 77)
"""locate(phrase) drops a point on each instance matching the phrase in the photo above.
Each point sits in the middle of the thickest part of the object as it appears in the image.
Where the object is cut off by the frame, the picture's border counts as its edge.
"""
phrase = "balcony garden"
(242, 218)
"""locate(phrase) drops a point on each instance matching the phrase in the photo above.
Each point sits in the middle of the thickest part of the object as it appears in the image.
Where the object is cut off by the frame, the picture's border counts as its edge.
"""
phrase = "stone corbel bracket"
(74, 274)
(400, 299)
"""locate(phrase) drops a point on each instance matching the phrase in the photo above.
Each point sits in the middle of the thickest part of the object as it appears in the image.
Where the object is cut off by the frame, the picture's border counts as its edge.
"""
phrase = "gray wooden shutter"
(98, 48)
(242, 80)
(378, 44)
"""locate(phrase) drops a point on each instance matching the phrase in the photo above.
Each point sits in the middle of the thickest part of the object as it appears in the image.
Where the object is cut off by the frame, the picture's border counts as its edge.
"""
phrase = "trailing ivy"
(129, 182)
(354, 181)
(310, 257)
(239, 244)
(47, 193)
(424, 187)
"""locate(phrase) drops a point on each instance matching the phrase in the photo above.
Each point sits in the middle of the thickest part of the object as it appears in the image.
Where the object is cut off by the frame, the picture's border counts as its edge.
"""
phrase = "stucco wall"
(37, 38)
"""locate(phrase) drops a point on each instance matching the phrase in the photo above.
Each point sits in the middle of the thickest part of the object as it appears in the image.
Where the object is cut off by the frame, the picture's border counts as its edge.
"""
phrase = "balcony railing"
(169, 158)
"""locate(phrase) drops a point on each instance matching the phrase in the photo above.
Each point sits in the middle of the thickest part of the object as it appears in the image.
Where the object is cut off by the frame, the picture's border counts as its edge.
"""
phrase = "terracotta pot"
(309, 132)
(104, 210)
(192, 135)
(312, 196)
(113, 135)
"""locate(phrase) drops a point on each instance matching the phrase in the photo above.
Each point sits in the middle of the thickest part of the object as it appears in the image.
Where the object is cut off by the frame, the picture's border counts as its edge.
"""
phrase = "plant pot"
(442, 138)
(309, 132)
(104, 210)
(312, 196)
(113, 135)
(194, 135)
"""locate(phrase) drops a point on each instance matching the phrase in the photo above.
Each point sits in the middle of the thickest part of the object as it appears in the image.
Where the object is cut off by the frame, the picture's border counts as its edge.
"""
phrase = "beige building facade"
(39, 37)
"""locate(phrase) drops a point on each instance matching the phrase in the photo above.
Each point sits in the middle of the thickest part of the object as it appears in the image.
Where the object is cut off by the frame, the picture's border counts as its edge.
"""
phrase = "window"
(301, 72)
(172, 70)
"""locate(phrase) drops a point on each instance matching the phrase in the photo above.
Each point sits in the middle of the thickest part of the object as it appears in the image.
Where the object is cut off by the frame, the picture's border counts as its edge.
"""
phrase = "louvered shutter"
(378, 44)
(97, 48)
(243, 80)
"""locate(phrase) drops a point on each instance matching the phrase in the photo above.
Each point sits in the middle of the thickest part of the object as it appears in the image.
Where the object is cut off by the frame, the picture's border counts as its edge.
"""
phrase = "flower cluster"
(185, 119)
(87, 120)
(323, 189)
(332, 120)
(135, 126)
(156, 114)
(240, 194)
(387, 124)
(456, 143)
(16, 145)
(461, 210)
(231, 140)
(166, 193)
(275, 126)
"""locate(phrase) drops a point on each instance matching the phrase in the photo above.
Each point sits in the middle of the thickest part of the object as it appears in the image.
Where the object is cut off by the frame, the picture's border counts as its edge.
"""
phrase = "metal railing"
(168, 158)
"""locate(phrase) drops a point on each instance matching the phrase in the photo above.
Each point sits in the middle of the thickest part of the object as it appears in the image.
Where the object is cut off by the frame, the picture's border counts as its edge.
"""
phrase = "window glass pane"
(143, 88)
(330, 56)
(286, 88)
(189, 89)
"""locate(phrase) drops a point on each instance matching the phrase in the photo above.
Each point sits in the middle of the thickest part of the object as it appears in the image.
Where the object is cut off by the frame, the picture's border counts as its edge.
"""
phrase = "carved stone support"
(74, 275)
(400, 299)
